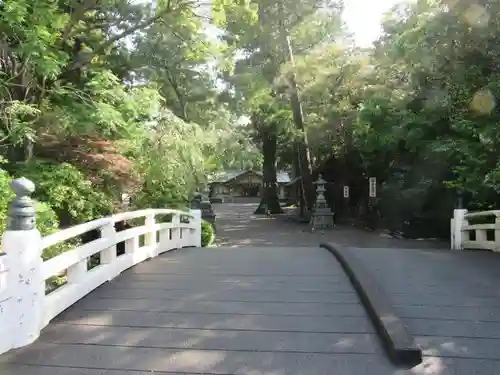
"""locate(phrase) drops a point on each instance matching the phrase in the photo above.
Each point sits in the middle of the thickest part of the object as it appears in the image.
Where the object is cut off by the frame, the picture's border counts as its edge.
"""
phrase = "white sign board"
(125, 200)
(373, 187)
(346, 191)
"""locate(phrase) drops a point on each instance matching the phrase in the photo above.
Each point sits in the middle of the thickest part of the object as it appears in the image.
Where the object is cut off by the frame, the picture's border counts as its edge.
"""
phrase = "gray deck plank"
(213, 339)
(284, 323)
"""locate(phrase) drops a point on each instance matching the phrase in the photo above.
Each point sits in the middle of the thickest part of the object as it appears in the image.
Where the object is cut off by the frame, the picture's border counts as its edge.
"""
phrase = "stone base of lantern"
(322, 219)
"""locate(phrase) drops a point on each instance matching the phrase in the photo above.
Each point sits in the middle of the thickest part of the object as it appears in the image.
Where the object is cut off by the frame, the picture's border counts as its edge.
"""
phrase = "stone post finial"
(22, 209)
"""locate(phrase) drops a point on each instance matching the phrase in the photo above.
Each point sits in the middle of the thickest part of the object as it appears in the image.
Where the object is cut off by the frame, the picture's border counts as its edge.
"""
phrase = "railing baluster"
(459, 234)
(497, 233)
(196, 233)
(176, 231)
(76, 273)
(150, 236)
(108, 255)
(480, 236)
(164, 238)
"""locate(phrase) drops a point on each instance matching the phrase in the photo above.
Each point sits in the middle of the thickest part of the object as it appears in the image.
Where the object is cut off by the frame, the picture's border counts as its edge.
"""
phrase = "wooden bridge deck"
(216, 311)
(252, 308)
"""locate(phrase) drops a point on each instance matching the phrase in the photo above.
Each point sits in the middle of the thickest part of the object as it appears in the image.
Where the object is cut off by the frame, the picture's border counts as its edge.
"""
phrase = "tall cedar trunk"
(294, 191)
(302, 145)
(269, 201)
(304, 159)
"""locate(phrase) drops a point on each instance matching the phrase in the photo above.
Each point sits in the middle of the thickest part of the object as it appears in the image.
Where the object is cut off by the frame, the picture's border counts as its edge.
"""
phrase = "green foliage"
(5, 198)
(66, 190)
(47, 223)
(207, 233)
(46, 219)
(418, 111)
(135, 78)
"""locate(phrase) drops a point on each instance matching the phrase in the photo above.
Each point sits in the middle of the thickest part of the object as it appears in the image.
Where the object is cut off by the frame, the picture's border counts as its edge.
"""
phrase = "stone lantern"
(207, 211)
(322, 216)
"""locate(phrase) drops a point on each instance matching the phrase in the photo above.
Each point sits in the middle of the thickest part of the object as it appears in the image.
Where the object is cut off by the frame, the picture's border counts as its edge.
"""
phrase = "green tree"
(258, 31)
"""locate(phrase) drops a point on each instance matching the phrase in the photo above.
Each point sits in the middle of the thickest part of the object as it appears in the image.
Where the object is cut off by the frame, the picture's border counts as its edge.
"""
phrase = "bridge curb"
(396, 339)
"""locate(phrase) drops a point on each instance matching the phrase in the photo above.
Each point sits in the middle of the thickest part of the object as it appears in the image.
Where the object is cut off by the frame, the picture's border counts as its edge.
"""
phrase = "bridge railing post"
(150, 236)
(196, 213)
(457, 235)
(109, 256)
(176, 231)
(23, 288)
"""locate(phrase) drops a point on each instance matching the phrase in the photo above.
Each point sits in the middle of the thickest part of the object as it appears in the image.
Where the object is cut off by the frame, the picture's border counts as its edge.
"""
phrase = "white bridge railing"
(483, 234)
(26, 306)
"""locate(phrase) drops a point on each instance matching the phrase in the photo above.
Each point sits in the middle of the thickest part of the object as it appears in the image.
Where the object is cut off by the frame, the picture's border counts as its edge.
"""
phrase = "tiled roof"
(281, 176)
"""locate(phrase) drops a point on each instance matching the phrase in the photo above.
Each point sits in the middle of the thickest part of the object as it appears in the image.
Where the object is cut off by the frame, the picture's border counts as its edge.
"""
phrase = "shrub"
(47, 223)
(46, 218)
(207, 233)
(67, 191)
(5, 198)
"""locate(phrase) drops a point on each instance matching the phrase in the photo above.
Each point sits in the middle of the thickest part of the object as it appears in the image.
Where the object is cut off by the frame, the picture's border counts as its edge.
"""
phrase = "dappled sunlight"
(260, 336)
(477, 16)
(449, 302)
(437, 346)
(388, 319)
(483, 102)
(430, 366)
(346, 343)
(435, 97)
(191, 361)
(237, 226)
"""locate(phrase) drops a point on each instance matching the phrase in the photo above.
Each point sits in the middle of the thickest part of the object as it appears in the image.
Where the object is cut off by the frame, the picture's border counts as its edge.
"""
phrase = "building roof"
(226, 176)
(283, 177)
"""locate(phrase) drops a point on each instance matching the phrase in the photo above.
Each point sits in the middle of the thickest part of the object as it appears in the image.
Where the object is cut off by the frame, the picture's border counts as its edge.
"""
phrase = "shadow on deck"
(238, 226)
(217, 311)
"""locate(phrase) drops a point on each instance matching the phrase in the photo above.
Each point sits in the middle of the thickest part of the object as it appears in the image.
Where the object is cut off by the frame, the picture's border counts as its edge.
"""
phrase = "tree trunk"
(294, 191)
(302, 145)
(269, 202)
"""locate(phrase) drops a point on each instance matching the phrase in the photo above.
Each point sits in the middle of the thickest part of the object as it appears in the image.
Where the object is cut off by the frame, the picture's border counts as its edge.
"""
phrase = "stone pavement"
(238, 226)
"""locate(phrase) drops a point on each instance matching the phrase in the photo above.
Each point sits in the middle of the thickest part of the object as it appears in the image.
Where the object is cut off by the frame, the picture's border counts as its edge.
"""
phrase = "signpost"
(125, 201)
(372, 193)
(346, 191)
(346, 202)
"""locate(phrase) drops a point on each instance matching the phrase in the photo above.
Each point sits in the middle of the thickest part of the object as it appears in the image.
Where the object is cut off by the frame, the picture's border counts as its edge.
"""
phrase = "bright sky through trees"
(363, 18)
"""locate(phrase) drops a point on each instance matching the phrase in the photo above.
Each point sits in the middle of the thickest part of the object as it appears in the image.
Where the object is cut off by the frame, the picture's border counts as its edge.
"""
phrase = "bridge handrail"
(62, 262)
(78, 230)
(26, 306)
(474, 215)
(462, 230)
